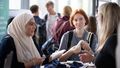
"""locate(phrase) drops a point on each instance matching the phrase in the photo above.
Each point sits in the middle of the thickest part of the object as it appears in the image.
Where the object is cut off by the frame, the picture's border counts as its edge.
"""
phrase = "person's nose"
(78, 21)
(34, 26)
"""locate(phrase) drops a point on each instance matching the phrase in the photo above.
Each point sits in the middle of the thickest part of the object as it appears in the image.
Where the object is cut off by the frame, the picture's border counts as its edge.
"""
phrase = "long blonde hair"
(110, 18)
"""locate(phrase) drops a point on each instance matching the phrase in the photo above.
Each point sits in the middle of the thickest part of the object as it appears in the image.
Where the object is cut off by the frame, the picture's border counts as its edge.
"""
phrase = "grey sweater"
(74, 41)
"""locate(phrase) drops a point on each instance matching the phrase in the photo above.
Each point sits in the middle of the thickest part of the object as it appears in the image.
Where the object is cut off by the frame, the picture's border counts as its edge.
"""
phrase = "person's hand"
(56, 54)
(34, 61)
(75, 49)
(38, 61)
(85, 46)
(86, 56)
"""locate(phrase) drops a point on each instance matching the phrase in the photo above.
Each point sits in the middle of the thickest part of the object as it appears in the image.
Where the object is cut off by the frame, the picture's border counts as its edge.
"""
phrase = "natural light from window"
(14, 4)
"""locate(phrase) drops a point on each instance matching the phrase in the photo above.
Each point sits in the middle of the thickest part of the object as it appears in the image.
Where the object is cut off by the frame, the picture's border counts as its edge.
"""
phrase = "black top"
(6, 47)
(106, 57)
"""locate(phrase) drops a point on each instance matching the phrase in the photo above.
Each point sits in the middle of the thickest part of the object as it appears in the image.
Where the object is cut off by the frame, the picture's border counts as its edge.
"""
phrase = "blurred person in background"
(39, 37)
(91, 26)
(50, 18)
(62, 24)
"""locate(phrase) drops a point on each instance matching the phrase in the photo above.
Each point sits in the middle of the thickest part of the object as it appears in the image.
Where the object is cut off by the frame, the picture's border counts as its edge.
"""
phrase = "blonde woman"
(108, 18)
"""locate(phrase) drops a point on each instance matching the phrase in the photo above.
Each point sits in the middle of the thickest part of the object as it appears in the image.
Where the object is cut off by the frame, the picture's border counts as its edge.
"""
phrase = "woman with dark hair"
(92, 25)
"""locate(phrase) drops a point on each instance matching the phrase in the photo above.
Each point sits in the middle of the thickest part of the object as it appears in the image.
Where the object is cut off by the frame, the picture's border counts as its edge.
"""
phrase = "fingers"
(85, 46)
(33, 62)
(82, 58)
(38, 61)
(86, 57)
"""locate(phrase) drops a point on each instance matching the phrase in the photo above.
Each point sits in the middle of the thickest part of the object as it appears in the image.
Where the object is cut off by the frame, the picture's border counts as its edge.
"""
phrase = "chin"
(32, 34)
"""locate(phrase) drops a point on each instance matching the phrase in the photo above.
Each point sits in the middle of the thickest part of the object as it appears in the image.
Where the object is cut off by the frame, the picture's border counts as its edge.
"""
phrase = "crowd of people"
(84, 38)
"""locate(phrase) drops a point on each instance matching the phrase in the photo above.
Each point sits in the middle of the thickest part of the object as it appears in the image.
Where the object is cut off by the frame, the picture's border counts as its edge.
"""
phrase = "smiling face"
(30, 27)
(79, 21)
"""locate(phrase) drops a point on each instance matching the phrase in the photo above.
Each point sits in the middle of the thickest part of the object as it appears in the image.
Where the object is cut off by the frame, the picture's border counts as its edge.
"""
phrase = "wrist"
(28, 65)
(71, 51)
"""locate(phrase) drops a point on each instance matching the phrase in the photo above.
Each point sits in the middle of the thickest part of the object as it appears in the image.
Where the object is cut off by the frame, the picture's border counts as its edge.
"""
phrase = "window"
(14, 4)
(86, 5)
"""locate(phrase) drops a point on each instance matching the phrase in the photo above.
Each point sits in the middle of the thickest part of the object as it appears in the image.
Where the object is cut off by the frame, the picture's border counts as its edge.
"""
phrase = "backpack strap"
(89, 38)
(46, 17)
(59, 15)
(69, 39)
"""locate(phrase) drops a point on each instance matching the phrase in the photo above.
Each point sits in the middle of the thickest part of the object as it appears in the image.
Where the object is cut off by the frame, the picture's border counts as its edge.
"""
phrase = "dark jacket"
(7, 46)
(106, 57)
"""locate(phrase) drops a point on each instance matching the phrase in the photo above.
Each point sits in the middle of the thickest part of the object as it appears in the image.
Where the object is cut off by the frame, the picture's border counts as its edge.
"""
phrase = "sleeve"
(6, 46)
(63, 42)
(94, 43)
(5, 49)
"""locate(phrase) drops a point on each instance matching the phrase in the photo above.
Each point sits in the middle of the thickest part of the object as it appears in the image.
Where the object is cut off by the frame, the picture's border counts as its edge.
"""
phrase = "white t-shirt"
(49, 24)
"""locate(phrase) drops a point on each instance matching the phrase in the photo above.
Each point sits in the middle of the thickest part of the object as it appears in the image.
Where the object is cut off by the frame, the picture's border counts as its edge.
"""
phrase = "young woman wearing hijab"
(19, 43)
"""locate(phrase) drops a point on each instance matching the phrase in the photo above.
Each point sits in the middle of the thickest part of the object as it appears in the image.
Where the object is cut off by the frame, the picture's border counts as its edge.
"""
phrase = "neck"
(52, 13)
(35, 14)
(79, 33)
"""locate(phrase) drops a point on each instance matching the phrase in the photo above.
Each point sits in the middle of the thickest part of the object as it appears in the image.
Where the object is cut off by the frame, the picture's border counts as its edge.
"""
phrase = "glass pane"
(14, 4)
